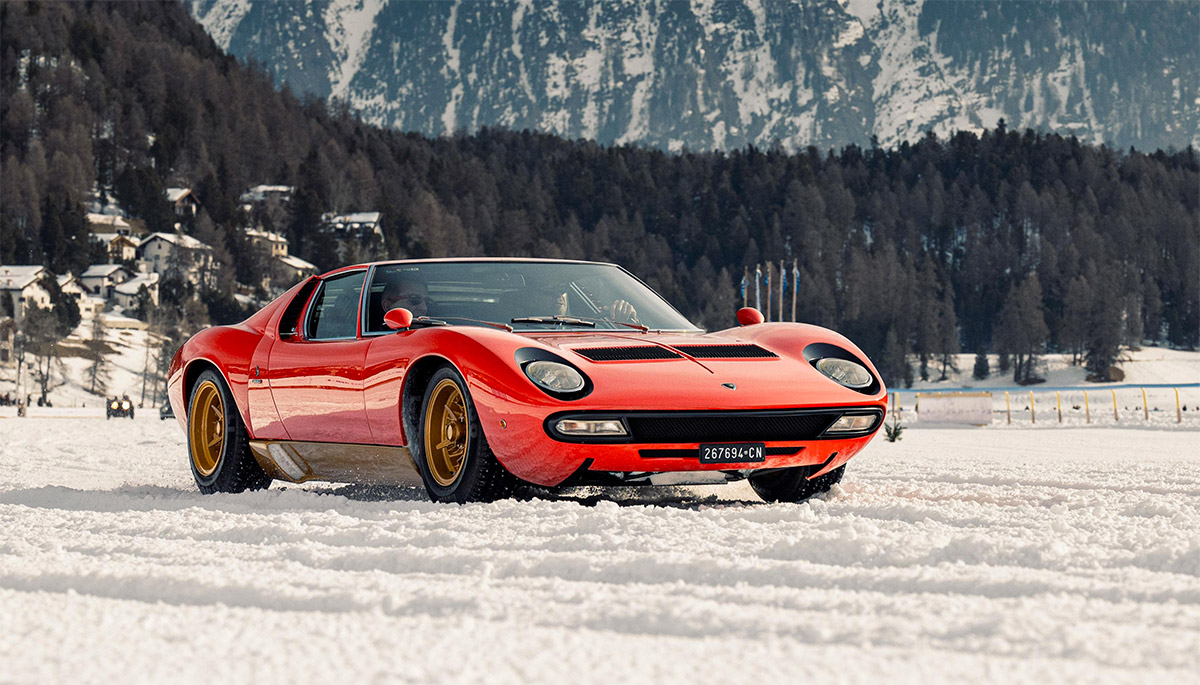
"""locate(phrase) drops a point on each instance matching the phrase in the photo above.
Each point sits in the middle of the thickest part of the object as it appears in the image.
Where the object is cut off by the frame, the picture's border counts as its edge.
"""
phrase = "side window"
(334, 310)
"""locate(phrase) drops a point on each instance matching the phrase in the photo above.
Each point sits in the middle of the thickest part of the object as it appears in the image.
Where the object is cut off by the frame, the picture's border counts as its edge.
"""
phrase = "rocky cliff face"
(711, 74)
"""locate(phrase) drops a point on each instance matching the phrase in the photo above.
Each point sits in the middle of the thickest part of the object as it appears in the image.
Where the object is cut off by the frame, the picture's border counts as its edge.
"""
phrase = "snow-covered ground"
(954, 555)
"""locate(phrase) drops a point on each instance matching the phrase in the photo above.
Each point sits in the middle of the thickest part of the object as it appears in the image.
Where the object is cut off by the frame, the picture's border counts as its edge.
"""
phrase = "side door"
(317, 375)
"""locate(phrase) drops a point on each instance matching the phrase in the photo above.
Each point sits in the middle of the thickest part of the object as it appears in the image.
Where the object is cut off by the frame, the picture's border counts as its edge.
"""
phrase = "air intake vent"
(726, 351)
(623, 354)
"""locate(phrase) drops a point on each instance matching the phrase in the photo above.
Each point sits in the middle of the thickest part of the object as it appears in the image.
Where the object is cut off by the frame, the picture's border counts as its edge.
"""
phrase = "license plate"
(733, 453)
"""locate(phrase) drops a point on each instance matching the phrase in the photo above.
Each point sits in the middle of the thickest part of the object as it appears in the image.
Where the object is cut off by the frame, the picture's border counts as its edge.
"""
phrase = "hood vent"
(625, 354)
(726, 351)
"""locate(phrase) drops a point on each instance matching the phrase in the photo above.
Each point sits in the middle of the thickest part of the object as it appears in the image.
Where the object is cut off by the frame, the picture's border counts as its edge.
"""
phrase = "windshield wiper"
(426, 321)
(567, 320)
(635, 326)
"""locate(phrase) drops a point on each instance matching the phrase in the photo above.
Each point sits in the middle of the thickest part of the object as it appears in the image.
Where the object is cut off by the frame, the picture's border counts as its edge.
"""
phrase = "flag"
(743, 288)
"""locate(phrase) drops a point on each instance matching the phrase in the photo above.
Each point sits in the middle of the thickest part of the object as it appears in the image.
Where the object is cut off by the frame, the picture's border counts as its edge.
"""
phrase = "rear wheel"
(793, 484)
(218, 444)
(455, 461)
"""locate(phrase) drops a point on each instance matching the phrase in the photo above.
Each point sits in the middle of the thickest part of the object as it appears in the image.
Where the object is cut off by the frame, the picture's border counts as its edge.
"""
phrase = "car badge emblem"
(731, 386)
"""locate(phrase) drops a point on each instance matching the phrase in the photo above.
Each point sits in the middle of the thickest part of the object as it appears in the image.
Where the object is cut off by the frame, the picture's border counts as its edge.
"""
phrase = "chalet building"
(101, 279)
(273, 244)
(288, 270)
(22, 288)
(69, 285)
(127, 294)
(355, 225)
(261, 194)
(184, 201)
(120, 248)
(163, 253)
(109, 224)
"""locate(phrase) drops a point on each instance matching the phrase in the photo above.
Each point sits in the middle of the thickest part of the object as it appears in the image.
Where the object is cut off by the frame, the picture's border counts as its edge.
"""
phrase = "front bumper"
(526, 443)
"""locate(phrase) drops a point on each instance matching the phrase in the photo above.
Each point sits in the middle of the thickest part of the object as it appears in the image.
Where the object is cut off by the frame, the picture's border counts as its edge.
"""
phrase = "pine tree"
(982, 370)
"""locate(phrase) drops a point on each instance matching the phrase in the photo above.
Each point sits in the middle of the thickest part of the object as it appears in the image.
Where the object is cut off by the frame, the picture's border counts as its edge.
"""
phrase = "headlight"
(115, 405)
(554, 376)
(124, 405)
(845, 372)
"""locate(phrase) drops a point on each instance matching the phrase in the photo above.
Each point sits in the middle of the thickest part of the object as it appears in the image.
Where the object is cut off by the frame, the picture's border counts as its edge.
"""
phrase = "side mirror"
(397, 318)
(747, 316)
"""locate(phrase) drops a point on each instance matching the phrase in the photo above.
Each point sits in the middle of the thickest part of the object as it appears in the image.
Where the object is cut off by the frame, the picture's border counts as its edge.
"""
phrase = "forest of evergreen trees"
(1010, 242)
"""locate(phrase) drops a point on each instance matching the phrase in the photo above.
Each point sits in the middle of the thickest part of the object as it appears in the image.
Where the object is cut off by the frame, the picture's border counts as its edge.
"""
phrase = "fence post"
(1058, 399)
(1087, 409)
(1178, 414)
(1007, 406)
(1032, 411)
(1116, 416)
(1145, 407)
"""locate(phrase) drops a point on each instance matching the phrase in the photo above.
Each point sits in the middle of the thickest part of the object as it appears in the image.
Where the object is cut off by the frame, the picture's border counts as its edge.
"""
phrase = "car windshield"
(527, 295)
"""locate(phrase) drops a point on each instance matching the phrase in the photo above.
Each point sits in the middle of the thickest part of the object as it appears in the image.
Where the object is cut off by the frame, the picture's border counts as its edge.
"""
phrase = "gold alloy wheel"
(206, 428)
(446, 432)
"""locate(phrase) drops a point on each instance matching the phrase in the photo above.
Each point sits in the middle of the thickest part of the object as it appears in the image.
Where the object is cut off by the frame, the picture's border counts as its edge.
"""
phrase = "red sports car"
(473, 376)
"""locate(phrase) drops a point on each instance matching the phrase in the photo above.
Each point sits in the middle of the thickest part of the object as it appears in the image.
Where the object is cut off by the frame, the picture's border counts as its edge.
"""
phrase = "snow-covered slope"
(130, 347)
(987, 555)
(721, 74)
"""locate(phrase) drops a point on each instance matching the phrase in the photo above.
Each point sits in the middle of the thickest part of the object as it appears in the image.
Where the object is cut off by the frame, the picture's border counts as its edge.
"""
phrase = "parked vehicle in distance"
(164, 410)
(119, 407)
(473, 376)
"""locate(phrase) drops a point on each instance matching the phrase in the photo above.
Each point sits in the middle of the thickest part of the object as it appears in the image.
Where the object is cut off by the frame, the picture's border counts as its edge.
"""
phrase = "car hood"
(734, 369)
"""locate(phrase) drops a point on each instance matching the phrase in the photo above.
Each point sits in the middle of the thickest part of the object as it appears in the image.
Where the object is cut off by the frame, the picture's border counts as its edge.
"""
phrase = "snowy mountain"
(720, 74)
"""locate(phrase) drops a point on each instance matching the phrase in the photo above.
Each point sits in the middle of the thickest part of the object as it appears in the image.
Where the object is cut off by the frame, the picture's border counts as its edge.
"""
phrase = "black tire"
(481, 478)
(130, 414)
(793, 485)
(236, 469)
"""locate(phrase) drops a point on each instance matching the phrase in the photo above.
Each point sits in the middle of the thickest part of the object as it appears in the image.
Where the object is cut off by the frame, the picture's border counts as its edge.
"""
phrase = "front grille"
(726, 351)
(694, 453)
(729, 427)
(621, 354)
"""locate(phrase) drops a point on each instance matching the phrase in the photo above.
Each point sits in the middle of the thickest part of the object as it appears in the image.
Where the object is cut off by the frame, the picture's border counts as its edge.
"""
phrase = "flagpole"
(758, 287)
(795, 287)
(782, 283)
(768, 291)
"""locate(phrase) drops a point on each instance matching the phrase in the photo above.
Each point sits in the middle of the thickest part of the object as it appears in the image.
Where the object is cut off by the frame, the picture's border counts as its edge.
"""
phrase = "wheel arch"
(413, 391)
(192, 372)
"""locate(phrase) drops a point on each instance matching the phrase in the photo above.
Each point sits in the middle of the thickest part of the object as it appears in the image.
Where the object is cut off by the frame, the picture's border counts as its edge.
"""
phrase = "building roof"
(265, 235)
(132, 286)
(178, 240)
(107, 220)
(110, 237)
(354, 218)
(21, 277)
(258, 193)
(102, 270)
(177, 194)
(297, 263)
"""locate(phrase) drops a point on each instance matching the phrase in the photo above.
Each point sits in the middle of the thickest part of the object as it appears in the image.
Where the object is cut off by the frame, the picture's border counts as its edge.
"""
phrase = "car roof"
(462, 260)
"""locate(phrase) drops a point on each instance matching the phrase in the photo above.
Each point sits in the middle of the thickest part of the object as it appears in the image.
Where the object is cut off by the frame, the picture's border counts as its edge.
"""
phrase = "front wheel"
(793, 484)
(218, 443)
(450, 449)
